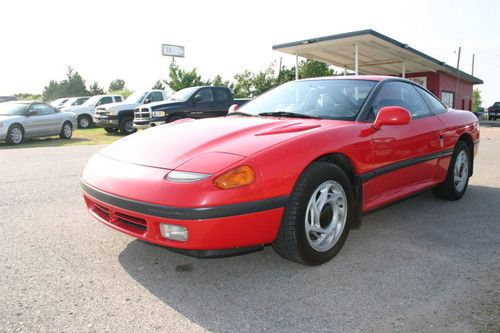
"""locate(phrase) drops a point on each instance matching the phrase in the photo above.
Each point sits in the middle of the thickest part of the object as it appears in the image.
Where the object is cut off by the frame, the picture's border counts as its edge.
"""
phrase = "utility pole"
(458, 59)
(473, 56)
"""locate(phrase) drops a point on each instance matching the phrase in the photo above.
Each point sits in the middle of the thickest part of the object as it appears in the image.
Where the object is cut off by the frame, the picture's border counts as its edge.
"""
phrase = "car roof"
(353, 77)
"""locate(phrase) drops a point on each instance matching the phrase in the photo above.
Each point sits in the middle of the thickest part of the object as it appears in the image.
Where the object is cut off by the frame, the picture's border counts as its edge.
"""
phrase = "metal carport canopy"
(369, 52)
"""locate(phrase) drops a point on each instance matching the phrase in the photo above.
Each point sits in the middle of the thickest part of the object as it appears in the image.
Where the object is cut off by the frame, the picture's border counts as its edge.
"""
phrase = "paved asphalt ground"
(420, 265)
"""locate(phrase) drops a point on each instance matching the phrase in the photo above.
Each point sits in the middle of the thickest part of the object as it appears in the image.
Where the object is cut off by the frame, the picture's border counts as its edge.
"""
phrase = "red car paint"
(134, 169)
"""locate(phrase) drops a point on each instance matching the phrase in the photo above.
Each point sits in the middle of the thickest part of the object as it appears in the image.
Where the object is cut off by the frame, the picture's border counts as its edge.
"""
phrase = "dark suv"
(494, 111)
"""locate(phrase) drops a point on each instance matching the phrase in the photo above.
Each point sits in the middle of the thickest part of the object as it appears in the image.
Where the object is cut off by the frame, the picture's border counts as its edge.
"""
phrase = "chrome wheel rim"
(16, 135)
(461, 171)
(67, 130)
(326, 216)
(84, 122)
(129, 127)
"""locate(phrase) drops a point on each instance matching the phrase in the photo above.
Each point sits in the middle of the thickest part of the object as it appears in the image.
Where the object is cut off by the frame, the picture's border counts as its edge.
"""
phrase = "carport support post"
(296, 66)
(356, 59)
(403, 71)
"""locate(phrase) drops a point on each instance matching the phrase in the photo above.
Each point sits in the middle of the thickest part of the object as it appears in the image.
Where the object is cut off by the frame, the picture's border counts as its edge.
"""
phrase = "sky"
(105, 40)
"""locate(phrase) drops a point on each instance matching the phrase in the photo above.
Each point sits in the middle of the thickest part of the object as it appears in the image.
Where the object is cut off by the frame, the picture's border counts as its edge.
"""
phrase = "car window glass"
(106, 100)
(42, 109)
(403, 95)
(156, 96)
(222, 95)
(118, 98)
(434, 104)
(206, 95)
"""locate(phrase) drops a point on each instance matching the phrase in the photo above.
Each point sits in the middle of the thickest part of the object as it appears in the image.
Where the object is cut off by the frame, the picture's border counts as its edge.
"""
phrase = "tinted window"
(403, 95)
(156, 96)
(42, 109)
(105, 100)
(118, 98)
(434, 104)
(205, 95)
(222, 95)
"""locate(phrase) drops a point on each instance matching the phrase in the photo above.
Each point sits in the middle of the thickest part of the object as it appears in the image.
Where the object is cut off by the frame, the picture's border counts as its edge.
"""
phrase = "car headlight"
(158, 114)
(240, 176)
(186, 177)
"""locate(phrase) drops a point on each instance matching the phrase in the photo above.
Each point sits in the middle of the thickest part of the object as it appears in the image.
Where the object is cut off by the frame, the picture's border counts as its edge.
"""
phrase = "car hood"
(162, 105)
(119, 106)
(170, 146)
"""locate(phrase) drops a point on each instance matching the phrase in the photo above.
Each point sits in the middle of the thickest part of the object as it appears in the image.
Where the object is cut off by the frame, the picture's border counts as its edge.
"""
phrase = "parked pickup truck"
(120, 116)
(193, 102)
(494, 111)
(85, 112)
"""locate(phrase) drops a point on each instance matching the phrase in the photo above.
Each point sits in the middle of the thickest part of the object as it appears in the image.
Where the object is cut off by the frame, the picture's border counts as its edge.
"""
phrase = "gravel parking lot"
(420, 265)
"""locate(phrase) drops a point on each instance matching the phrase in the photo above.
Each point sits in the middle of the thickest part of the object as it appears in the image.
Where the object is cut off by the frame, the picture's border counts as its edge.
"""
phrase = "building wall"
(437, 82)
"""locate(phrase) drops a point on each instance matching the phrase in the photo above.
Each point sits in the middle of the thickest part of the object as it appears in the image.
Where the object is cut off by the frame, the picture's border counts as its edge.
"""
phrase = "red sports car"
(296, 168)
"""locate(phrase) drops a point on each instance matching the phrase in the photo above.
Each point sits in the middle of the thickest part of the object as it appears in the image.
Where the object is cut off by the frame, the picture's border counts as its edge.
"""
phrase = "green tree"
(243, 86)
(313, 68)
(476, 99)
(158, 85)
(117, 85)
(180, 79)
(94, 89)
(73, 85)
(28, 97)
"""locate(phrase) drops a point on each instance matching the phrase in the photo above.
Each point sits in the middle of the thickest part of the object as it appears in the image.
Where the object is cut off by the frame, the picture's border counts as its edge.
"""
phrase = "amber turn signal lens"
(241, 176)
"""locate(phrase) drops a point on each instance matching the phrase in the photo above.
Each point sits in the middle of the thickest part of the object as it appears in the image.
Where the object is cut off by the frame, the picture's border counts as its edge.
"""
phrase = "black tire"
(84, 121)
(127, 125)
(66, 131)
(448, 189)
(111, 129)
(15, 135)
(292, 242)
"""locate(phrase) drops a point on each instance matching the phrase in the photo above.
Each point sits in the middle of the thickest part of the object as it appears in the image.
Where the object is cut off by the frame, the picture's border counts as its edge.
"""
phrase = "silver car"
(21, 120)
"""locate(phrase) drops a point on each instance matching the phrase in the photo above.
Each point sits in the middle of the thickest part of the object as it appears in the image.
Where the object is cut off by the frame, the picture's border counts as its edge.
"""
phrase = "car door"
(42, 120)
(202, 103)
(404, 156)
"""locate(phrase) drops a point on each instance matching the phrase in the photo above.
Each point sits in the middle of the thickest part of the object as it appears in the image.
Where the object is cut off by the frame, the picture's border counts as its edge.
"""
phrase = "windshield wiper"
(287, 114)
(239, 113)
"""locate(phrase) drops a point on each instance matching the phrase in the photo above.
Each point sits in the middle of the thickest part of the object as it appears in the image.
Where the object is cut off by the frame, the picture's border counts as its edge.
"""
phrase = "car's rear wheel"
(111, 129)
(84, 121)
(317, 217)
(457, 179)
(127, 125)
(66, 131)
(15, 135)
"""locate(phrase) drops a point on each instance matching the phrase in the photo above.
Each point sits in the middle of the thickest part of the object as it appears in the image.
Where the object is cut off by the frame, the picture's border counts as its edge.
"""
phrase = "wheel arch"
(467, 138)
(125, 113)
(345, 163)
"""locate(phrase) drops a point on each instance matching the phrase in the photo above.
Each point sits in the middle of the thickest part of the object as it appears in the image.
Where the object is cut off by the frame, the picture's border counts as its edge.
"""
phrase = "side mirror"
(233, 108)
(147, 101)
(392, 115)
(31, 113)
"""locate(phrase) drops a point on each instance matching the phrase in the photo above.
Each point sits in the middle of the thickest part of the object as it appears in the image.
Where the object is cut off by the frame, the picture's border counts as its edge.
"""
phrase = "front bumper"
(142, 124)
(212, 231)
(106, 121)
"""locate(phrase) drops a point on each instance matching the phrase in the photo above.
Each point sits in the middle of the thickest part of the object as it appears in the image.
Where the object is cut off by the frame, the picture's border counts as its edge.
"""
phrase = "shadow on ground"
(406, 260)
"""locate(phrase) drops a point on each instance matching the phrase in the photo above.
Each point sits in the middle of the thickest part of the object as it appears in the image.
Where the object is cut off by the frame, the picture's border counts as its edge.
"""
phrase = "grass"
(89, 136)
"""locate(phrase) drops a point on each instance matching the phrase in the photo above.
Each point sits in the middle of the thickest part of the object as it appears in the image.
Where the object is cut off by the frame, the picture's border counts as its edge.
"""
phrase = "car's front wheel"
(317, 217)
(84, 121)
(15, 135)
(457, 179)
(66, 131)
(127, 125)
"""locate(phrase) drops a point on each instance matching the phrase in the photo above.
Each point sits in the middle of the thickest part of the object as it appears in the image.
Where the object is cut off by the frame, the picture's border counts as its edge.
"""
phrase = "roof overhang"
(377, 54)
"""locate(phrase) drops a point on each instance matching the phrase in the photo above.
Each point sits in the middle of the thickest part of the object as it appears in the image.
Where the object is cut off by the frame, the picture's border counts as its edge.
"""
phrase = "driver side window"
(42, 109)
(206, 95)
(400, 94)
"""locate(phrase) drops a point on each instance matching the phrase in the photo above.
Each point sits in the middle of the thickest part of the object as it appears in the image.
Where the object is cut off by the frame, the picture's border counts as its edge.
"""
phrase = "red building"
(370, 52)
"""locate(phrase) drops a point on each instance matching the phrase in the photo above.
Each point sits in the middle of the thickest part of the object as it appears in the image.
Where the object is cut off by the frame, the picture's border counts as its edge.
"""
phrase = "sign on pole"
(172, 50)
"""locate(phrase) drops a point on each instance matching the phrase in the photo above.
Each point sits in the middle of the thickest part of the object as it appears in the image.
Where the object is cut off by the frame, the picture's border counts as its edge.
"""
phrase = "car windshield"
(12, 109)
(92, 100)
(182, 95)
(322, 98)
(136, 97)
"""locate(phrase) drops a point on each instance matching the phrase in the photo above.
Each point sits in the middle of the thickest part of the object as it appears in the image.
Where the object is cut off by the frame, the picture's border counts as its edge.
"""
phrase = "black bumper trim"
(185, 213)
(206, 254)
